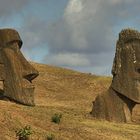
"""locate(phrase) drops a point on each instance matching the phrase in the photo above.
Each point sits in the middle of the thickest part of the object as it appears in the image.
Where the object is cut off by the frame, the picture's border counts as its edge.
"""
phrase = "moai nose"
(30, 73)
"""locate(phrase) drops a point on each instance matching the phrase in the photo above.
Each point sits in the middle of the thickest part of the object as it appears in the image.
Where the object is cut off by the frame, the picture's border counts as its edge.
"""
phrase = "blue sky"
(76, 34)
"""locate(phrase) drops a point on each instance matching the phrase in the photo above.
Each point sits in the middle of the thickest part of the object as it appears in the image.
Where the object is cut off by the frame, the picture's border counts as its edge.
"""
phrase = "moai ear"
(117, 60)
(2, 72)
(2, 69)
(2, 77)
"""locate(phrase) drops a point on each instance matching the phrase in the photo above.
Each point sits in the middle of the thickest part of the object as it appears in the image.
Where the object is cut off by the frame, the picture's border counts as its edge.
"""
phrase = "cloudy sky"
(76, 34)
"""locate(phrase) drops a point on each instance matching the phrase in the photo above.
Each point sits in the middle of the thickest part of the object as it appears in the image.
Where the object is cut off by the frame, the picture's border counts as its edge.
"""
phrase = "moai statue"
(15, 71)
(124, 93)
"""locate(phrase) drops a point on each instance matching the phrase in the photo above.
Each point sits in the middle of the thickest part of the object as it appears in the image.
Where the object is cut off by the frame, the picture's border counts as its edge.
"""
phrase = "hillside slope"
(71, 93)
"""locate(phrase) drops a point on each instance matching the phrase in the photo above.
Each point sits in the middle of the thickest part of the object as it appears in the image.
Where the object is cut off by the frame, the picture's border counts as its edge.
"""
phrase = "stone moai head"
(126, 65)
(15, 71)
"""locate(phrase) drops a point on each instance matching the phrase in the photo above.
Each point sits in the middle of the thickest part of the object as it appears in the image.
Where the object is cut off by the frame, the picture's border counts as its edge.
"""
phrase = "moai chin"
(124, 93)
(15, 71)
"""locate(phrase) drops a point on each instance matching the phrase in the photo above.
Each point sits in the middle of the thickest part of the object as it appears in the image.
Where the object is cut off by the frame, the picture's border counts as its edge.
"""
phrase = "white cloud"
(83, 38)
(87, 28)
(115, 2)
(74, 6)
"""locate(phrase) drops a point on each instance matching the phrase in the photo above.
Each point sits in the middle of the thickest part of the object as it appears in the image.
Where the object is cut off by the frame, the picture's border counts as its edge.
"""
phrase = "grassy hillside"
(70, 93)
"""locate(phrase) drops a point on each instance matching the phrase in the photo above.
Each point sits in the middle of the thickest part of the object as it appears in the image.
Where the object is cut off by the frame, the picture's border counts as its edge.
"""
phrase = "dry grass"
(71, 93)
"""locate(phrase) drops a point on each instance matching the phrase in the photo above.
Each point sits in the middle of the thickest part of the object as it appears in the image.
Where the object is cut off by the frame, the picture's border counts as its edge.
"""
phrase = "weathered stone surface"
(117, 104)
(126, 67)
(112, 106)
(15, 71)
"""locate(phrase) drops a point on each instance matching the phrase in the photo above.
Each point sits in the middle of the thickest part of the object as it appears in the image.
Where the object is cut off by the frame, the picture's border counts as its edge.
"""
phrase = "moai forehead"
(15, 70)
(127, 35)
(126, 65)
(9, 36)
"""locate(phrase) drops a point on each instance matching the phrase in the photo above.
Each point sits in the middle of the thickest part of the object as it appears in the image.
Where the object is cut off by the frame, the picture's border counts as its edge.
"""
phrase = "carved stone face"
(16, 72)
(126, 71)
